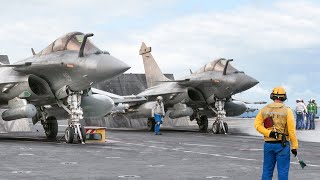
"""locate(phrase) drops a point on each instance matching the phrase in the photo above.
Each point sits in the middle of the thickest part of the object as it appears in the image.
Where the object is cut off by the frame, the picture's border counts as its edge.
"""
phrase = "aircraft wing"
(249, 102)
(16, 65)
(195, 82)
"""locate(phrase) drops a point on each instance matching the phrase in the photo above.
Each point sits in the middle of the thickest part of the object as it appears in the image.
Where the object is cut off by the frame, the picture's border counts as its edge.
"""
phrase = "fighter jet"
(58, 79)
(202, 94)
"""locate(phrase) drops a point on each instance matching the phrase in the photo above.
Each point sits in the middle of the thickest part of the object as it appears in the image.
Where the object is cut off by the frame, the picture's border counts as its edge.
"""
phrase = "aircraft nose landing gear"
(74, 132)
(219, 126)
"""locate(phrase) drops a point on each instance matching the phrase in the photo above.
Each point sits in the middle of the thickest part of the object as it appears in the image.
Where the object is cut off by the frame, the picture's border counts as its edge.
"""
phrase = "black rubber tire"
(69, 134)
(150, 124)
(204, 123)
(199, 122)
(215, 128)
(51, 127)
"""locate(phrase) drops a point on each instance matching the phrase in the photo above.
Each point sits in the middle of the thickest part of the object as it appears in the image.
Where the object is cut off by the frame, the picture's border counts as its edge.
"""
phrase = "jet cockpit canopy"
(217, 65)
(71, 41)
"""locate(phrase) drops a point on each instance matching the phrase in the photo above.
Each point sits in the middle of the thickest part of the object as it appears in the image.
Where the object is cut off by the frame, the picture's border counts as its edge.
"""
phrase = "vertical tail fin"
(151, 68)
(4, 59)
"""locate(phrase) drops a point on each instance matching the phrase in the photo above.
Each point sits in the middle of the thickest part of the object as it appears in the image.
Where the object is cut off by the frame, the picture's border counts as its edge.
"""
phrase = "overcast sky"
(277, 42)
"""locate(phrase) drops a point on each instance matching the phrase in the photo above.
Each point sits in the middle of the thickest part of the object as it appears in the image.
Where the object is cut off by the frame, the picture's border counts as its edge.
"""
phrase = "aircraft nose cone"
(110, 67)
(247, 82)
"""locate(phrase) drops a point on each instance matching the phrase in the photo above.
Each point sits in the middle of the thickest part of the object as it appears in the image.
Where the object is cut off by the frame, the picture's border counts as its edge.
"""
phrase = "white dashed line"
(160, 165)
(179, 150)
(311, 165)
(21, 172)
(156, 142)
(216, 177)
(201, 145)
(207, 154)
(113, 157)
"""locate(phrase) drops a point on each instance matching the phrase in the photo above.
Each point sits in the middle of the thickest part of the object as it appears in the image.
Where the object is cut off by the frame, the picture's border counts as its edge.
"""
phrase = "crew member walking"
(301, 109)
(158, 113)
(276, 123)
(312, 111)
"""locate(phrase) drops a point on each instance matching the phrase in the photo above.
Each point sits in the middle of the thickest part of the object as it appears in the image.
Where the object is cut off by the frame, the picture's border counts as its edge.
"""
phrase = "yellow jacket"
(283, 122)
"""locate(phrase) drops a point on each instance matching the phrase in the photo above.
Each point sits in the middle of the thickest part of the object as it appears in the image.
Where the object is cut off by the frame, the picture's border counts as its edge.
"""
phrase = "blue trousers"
(276, 154)
(158, 120)
(310, 121)
(299, 123)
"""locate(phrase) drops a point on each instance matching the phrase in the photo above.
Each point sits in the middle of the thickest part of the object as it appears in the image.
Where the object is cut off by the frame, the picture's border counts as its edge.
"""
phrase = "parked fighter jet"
(205, 93)
(58, 78)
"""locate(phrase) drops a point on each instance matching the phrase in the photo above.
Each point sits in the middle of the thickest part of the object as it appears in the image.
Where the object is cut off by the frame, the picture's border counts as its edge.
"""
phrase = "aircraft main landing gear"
(49, 124)
(202, 123)
(50, 127)
(219, 126)
(150, 124)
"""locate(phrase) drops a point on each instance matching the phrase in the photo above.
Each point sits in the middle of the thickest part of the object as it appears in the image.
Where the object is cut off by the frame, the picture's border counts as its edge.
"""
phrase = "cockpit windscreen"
(71, 41)
(217, 65)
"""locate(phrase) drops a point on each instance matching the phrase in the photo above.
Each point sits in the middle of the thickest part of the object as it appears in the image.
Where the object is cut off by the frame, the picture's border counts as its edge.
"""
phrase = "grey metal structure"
(204, 93)
(126, 84)
(56, 82)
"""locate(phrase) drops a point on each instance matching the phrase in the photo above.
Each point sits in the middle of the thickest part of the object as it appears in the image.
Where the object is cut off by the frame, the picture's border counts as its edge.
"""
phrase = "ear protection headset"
(278, 93)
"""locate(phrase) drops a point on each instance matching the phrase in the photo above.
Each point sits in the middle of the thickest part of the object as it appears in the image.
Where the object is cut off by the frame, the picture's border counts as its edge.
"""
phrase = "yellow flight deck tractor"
(95, 134)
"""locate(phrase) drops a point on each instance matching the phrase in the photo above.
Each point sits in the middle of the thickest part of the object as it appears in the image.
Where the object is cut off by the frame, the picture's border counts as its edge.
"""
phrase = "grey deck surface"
(177, 154)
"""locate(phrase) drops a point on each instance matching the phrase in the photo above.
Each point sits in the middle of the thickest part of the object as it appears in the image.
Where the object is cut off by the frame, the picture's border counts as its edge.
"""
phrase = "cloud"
(38, 23)
(191, 41)
(267, 42)
(256, 93)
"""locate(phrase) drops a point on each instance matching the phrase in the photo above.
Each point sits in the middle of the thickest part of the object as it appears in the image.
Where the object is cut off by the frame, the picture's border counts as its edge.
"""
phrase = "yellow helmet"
(278, 93)
(159, 98)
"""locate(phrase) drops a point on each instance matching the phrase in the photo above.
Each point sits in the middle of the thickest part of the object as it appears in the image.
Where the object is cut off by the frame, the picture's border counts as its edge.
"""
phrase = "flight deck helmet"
(278, 93)
(159, 98)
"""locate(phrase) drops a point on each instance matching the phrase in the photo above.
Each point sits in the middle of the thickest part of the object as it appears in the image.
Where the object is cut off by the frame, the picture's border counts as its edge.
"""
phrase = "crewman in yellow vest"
(276, 123)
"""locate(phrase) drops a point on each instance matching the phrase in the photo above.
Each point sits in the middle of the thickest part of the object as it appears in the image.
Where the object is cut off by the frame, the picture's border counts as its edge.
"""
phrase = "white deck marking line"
(201, 145)
(156, 142)
(217, 177)
(111, 141)
(116, 148)
(112, 157)
(21, 172)
(201, 153)
(26, 154)
(135, 144)
(219, 155)
(216, 155)
(311, 165)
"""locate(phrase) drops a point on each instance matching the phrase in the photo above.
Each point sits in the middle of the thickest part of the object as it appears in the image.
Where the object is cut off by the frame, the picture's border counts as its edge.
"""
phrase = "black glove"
(274, 134)
(294, 152)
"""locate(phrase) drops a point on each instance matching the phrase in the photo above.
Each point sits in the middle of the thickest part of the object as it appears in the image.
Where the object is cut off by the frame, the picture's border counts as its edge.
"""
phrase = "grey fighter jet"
(57, 81)
(205, 93)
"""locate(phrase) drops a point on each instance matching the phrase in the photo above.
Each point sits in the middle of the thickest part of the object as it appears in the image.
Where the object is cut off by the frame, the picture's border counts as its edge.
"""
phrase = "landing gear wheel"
(150, 124)
(69, 134)
(215, 128)
(83, 133)
(225, 127)
(203, 123)
(50, 127)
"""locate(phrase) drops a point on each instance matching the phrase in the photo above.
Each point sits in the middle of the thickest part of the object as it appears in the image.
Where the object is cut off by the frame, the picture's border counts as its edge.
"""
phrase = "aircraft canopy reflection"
(72, 42)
